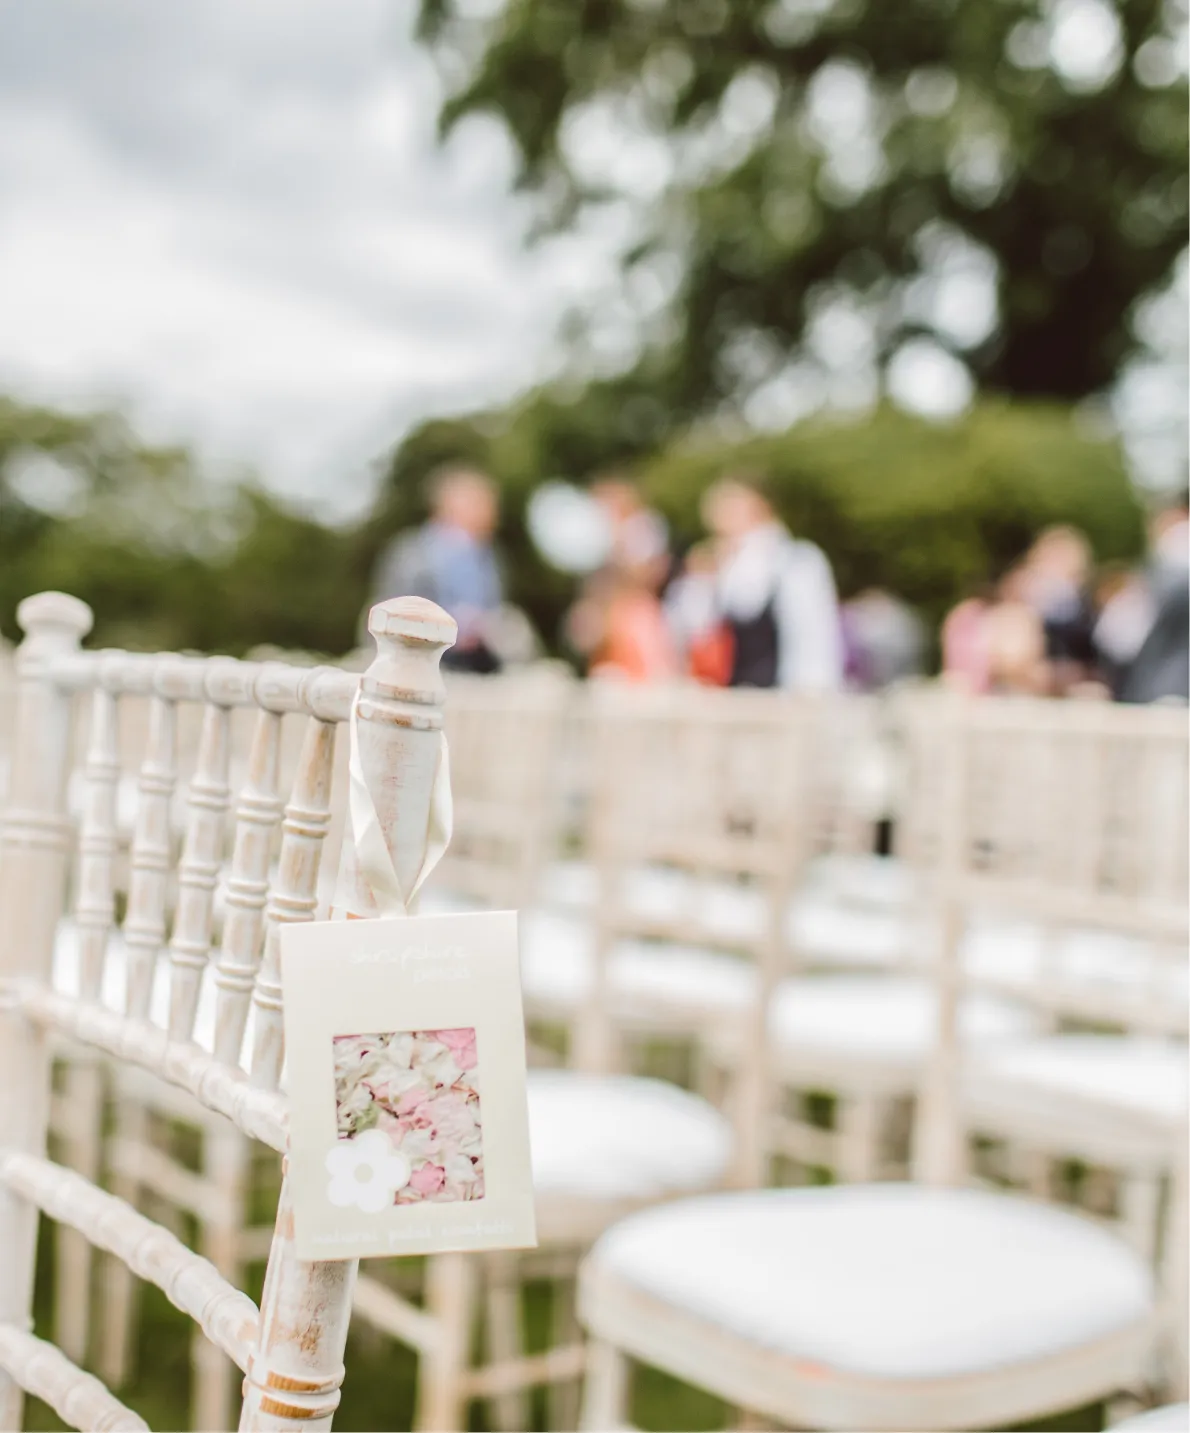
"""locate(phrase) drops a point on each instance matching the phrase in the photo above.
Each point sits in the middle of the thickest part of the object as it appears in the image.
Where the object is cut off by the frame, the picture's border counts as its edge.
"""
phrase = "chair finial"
(56, 615)
(411, 635)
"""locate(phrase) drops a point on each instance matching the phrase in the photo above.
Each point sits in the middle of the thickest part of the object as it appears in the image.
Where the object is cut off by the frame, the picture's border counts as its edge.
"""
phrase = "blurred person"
(451, 561)
(1015, 637)
(623, 629)
(993, 642)
(639, 535)
(619, 624)
(774, 594)
(1055, 582)
(886, 639)
(1160, 668)
(966, 661)
(1124, 614)
(703, 643)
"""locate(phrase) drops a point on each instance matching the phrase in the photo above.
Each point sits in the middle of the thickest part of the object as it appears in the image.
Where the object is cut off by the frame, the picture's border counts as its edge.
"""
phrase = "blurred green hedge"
(928, 510)
(170, 560)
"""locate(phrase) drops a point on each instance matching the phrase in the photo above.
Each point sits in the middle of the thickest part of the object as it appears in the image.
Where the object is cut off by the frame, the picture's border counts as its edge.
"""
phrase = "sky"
(233, 221)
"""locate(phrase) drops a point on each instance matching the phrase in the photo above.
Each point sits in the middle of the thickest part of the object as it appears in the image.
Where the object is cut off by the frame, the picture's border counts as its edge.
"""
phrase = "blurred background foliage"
(168, 561)
(783, 155)
(782, 169)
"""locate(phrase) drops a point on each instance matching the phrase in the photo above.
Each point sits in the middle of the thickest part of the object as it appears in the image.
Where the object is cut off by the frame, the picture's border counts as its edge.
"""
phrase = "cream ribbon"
(372, 858)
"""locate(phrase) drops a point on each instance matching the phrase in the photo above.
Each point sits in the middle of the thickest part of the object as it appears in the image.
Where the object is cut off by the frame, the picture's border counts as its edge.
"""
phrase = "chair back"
(505, 740)
(194, 1001)
(1056, 871)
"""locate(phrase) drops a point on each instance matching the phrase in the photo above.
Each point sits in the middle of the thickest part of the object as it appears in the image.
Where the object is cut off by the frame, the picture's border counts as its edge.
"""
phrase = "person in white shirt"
(774, 593)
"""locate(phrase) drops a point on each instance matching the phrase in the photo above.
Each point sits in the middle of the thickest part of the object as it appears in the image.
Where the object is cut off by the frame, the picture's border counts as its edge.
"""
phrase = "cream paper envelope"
(405, 1059)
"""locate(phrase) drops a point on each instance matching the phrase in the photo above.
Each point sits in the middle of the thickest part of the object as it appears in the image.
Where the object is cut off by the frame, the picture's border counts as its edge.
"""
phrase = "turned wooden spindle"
(33, 849)
(95, 909)
(296, 1369)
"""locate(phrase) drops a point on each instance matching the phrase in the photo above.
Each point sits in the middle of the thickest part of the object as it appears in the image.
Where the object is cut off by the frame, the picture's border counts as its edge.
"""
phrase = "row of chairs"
(694, 873)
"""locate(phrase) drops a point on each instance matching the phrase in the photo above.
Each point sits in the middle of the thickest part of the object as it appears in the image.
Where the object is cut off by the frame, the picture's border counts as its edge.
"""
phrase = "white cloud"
(236, 221)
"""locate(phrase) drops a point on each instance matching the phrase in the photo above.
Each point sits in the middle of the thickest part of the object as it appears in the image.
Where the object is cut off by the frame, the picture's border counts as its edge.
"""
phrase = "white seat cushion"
(889, 1281)
(1019, 955)
(886, 1019)
(822, 926)
(824, 930)
(863, 880)
(1172, 1418)
(618, 1137)
(1132, 1075)
(557, 959)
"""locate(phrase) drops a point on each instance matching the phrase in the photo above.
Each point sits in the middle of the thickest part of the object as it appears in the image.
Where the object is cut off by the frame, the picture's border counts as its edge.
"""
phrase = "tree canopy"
(784, 156)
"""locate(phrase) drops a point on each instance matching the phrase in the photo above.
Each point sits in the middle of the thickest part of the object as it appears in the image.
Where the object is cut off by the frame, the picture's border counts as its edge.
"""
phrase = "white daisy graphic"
(365, 1172)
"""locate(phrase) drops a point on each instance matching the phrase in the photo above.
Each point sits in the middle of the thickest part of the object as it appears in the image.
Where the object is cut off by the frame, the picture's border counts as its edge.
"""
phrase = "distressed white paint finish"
(79, 1399)
(33, 844)
(294, 893)
(227, 1316)
(262, 1114)
(257, 814)
(296, 1362)
(198, 870)
(83, 1095)
(296, 1369)
(144, 923)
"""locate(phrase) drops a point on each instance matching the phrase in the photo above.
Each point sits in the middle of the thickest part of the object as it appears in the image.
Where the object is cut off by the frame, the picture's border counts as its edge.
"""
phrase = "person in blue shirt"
(451, 561)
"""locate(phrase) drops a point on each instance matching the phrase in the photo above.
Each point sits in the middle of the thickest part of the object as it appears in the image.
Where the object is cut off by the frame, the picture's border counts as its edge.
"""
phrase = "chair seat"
(603, 1146)
(877, 882)
(854, 1029)
(618, 1137)
(1172, 1418)
(651, 983)
(1134, 1075)
(1102, 967)
(869, 1287)
(874, 882)
(1108, 1098)
(655, 981)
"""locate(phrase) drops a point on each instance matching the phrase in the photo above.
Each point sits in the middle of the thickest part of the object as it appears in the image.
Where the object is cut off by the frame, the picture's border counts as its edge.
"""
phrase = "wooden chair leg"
(605, 1390)
(503, 1337)
(120, 1287)
(450, 1301)
(225, 1166)
(564, 1398)
(859, 1144)
(1176, 1286)
(1140, 1212)
(82, 1146)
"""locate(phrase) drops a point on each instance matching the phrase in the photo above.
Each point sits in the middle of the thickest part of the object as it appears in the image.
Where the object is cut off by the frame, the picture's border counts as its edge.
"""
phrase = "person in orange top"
(619, 623)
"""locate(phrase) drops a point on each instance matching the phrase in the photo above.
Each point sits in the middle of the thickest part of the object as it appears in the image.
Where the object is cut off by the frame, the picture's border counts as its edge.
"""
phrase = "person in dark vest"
(775, 594)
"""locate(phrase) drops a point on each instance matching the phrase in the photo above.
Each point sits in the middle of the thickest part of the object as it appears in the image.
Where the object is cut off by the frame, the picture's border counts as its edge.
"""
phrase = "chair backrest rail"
(78, 1398)
(228, 1317)
(323, 692)
(261, 1114)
